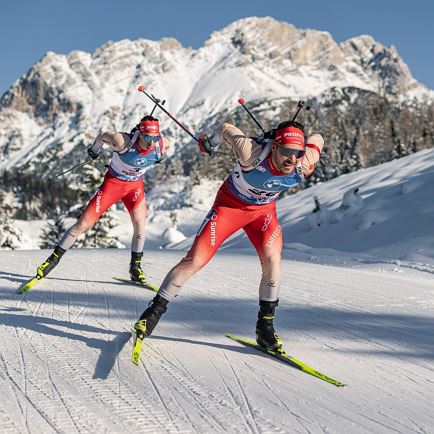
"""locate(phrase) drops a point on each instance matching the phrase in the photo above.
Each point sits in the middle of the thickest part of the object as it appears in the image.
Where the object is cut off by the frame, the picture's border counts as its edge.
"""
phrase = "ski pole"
(300, 105)
(242, 101)
(155, 105)
(72, 168)
(153, 99)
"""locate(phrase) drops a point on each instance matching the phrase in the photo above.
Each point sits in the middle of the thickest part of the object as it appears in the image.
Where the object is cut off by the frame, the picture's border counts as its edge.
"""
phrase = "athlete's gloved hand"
(92, 154)
(208, 145)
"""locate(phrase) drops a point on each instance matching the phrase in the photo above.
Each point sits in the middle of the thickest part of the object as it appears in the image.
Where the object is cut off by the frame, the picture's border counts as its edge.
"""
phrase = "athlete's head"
(150, 129)
(288, 146)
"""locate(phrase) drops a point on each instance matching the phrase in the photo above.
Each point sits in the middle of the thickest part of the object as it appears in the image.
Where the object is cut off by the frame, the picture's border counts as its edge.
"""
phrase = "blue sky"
(30, 28)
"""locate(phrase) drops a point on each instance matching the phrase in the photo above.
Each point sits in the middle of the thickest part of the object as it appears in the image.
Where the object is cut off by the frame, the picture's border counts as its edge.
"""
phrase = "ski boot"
(50, 263)
(150, 317)
(266, 336)
(136, 272)
(146, 324)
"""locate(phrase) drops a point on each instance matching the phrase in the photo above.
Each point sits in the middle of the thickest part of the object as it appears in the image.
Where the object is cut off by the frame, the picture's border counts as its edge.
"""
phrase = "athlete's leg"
(109, 193)
(265, 234)
(136, 204)
(219, 224)
(106, 195)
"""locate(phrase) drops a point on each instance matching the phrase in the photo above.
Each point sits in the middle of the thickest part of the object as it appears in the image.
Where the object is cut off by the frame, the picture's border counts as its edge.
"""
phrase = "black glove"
(92, 154)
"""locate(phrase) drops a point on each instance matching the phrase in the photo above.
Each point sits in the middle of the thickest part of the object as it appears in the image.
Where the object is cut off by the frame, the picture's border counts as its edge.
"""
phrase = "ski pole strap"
(133, 139)
(260, 159)
(299, 169)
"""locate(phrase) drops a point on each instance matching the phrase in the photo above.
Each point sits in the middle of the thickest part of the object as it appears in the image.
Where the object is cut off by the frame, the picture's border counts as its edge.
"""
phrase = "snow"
(356, 303)
(66, 365)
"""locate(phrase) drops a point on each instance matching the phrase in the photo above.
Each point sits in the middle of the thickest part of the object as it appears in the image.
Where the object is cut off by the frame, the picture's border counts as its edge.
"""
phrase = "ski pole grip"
(241, 101)
(141, 88)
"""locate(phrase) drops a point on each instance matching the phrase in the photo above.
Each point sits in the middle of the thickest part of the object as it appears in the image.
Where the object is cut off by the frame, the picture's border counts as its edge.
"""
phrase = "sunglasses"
(148, 138)
(289, 152)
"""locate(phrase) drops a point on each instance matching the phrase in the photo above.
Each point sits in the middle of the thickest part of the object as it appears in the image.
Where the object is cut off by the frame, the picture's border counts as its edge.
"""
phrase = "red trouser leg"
(227, 216)
(220, 223)
(135, 203)
(110, 192)
(265, 234)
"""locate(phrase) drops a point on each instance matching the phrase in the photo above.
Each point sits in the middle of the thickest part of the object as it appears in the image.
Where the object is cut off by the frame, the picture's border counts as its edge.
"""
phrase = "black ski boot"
(266, 336)
(50, 263)
(136, 272)
(150, 317)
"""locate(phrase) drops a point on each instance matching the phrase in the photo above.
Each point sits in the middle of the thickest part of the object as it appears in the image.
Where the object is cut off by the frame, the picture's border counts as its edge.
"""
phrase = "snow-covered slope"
(65, 354)
(356, 303)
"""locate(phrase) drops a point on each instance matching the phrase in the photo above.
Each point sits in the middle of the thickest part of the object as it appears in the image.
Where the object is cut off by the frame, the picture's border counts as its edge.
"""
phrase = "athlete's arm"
(245, 149)
(117, 141)
(314, 146)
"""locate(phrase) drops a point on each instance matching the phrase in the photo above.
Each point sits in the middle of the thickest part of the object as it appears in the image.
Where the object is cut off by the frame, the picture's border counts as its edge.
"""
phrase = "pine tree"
(10, 236)
(54, 230)
(99, 234)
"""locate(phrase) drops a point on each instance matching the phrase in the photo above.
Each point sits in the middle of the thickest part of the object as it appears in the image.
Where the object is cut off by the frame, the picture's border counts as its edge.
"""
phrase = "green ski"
(286, 358)
(143, 283)
(137, 347)
(29, 284)
(139, 333)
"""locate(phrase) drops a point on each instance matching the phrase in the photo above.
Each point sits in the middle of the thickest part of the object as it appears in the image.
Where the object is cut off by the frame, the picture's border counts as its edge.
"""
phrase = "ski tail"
(286, 358)
(139, 333)
(137, 347)
(27, 286)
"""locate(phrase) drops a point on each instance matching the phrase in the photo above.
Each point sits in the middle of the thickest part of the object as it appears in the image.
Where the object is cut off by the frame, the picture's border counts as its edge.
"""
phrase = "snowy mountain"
(64, 100)
(356, 303)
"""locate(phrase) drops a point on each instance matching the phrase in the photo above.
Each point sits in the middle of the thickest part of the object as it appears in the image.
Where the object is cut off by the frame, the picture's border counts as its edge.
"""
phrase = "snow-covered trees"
(10, 235)
(54, 229)
(99, 234)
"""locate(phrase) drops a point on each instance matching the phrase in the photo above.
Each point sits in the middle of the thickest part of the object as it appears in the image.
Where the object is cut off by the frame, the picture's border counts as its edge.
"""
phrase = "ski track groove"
(106, 395)
(54, 386)
(70, 368)
(209, 403)
(12, 389)
(229, 391)
(36, 352)
(192, 391)
(253, 426)
(157, 392)
(297, 417)
(288, 381)
(23, 375)
(28, 399)
(93, 394)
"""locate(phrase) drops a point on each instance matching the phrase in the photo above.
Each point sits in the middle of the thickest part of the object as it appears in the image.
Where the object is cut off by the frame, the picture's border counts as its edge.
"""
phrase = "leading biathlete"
(246, 200)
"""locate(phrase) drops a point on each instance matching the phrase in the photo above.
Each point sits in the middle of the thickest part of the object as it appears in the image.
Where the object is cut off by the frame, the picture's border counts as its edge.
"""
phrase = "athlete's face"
(146, 143)
(285, 158)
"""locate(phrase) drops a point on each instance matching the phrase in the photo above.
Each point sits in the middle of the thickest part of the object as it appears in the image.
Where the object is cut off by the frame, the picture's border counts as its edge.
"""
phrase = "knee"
(79, 228)
(270, 263)
(192, 263)
(139, 220)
